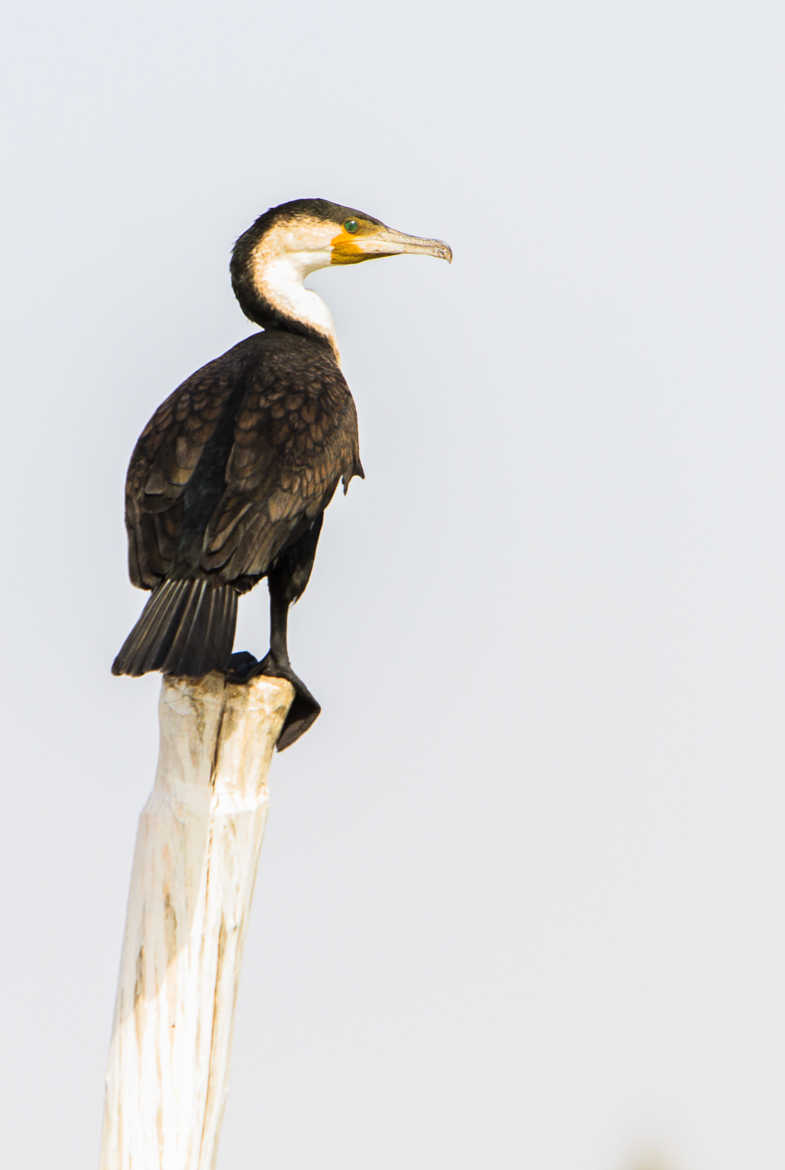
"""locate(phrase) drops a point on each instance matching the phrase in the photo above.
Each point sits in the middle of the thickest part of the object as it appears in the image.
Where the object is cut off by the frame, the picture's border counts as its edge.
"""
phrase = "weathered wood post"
(197, 852)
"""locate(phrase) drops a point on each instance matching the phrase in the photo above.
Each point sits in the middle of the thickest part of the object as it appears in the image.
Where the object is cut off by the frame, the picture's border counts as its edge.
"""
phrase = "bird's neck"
(275, 294)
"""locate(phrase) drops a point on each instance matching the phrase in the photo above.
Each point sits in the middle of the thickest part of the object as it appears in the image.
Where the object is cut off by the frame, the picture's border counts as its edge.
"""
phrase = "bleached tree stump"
(197, 852)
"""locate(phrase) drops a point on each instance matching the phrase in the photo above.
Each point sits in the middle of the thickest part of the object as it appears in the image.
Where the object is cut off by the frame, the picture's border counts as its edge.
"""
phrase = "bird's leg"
(275, 664)
(286, 582)
(279, 620)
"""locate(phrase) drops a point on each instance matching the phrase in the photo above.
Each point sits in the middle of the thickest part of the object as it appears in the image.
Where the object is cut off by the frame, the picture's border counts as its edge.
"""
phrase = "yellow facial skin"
(347, 246)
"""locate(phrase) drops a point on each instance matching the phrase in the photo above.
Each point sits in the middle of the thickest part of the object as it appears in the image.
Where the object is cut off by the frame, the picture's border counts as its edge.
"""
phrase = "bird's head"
(272, 259)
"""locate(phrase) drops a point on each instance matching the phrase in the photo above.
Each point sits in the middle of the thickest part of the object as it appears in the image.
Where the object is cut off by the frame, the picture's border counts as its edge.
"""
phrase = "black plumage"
(229, 480)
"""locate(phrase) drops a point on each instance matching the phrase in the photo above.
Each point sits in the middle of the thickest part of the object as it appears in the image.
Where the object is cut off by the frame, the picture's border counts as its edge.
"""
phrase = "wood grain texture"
(197, 852)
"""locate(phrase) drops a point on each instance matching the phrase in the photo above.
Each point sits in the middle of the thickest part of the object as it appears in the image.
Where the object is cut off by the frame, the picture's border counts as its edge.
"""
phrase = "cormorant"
(229, 480)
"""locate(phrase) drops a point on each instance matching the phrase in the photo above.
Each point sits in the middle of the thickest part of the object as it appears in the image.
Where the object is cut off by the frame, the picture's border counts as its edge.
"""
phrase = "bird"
(229, 480)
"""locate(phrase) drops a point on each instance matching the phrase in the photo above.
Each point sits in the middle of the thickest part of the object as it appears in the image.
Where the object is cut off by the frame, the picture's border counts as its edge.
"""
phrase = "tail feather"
(149, 634)
(186, 628)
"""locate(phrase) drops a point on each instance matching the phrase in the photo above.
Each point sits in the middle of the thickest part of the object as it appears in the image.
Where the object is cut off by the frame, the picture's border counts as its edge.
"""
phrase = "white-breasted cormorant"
(230, 478)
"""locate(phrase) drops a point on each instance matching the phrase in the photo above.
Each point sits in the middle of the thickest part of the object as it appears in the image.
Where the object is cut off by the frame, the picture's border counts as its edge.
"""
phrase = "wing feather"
(162, 465)
(295, 438)
(292, 438)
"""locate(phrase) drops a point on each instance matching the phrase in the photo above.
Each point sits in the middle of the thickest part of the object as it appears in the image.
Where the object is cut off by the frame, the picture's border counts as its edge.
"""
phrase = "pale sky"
(520, 896)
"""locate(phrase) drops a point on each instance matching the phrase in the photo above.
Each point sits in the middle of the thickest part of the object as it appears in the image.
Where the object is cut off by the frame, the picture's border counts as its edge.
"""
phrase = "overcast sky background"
(520, 899)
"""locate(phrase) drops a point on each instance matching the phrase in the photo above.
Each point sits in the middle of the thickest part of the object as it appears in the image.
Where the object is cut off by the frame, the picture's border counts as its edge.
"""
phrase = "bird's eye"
(351, 225)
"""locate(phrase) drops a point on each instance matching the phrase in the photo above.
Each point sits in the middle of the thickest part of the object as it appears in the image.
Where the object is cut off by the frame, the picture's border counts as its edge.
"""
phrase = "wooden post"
(197, 852)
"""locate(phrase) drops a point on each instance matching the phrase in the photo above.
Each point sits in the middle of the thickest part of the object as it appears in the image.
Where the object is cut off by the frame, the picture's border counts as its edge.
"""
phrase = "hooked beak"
(383, 241)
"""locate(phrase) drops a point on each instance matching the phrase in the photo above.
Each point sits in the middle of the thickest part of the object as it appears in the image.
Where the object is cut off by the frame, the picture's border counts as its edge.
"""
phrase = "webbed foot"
(240, 667)
(304, 709)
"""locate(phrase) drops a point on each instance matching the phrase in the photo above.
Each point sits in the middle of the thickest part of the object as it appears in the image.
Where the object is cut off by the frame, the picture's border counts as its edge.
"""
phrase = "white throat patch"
(281, 261)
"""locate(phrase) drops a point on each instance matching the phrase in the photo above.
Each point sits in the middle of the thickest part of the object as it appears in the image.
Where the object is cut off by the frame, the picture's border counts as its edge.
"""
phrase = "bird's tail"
(186, 628)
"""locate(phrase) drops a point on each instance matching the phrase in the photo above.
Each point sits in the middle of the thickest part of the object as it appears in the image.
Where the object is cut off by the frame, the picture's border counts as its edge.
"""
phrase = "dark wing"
(295, 437)
(162, 464)
(271, 437)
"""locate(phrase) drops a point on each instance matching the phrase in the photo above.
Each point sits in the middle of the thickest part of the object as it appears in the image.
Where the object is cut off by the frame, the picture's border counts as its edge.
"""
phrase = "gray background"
(520, 900)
